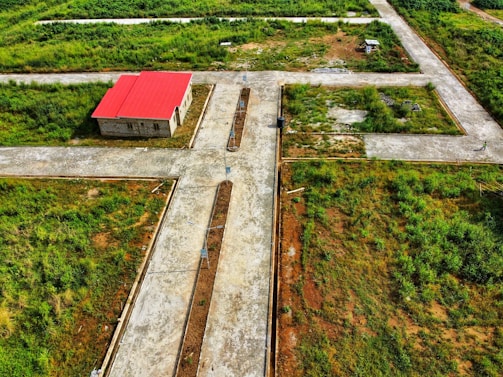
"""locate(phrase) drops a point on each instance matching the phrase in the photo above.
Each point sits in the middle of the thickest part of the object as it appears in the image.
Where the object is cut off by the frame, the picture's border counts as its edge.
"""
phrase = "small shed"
(151, 104)
(370, 45)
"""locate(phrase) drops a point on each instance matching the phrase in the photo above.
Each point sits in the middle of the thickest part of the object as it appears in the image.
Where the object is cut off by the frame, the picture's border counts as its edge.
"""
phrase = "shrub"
(488, 4)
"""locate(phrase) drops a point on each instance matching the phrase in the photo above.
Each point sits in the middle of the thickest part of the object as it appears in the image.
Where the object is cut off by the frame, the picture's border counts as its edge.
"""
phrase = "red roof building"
(151, 104)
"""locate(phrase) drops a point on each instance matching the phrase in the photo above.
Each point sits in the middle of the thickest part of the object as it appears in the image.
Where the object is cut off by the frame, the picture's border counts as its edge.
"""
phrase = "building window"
(156, 126)
(130, 126)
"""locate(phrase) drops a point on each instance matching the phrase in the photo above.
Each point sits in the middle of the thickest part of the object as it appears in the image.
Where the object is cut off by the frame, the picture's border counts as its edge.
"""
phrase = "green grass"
(471, 46)
(48, 114)
(69, 252)
(407, 261)
(195, 46)
(187, 8)
(309, 109)
(495, 12)
(56, 114)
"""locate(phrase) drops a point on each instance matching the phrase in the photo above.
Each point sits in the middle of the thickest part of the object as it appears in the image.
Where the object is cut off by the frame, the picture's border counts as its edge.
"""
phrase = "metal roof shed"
(151, 104)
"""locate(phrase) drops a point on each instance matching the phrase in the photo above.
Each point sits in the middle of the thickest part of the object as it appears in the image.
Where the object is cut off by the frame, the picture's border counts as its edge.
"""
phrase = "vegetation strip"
(239, 120)
(187, 8)
(188, 361)
(201, 116)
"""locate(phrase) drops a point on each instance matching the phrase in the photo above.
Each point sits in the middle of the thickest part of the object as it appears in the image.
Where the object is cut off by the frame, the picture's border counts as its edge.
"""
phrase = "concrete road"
(236, 338)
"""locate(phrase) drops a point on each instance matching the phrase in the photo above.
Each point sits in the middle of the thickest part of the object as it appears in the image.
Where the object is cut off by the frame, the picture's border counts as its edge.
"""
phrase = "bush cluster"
(488, 4)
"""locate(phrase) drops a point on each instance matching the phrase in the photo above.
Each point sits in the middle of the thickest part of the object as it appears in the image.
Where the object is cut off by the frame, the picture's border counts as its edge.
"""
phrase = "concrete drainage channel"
(189, 354)
(238, 123)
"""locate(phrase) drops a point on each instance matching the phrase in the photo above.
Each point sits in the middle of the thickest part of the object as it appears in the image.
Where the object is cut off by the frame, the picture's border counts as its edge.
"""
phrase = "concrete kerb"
(271, 341)
(295, 159)
(416, 161)
(90, 177)
(133, 294)
(201, 116)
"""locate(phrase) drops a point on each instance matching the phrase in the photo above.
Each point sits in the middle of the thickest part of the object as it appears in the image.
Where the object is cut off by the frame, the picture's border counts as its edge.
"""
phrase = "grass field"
(58, 114)
(69, 251)
(281, 45)
(495, 12)
(187, 8)
(389, 269)
(471, 46)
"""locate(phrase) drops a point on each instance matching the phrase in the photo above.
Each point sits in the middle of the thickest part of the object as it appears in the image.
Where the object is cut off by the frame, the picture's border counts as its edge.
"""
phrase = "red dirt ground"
(289, 273)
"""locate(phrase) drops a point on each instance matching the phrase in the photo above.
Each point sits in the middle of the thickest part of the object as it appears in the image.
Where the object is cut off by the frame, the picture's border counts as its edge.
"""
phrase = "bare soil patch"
(305, 145)
(289, 272)
(338, 49)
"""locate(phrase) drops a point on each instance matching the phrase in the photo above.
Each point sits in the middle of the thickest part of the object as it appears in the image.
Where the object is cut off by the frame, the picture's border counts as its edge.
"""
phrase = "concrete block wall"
(135, 127)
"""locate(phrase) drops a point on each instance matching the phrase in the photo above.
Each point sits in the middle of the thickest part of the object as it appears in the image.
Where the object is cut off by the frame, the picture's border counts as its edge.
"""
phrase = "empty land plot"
(37, 114)
(390, 269)
(368, 109)
(255, 45)
(328, 121)
(204, 8)
(70, 250)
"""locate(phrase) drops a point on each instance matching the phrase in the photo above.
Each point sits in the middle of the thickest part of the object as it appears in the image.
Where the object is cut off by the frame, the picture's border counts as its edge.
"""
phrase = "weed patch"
(407, 262)
(55, 114)
(354, 110)
(69, 255)
(281, 45)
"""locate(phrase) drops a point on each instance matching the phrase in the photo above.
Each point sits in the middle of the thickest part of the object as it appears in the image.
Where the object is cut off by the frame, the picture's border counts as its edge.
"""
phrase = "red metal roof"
(150, 95)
